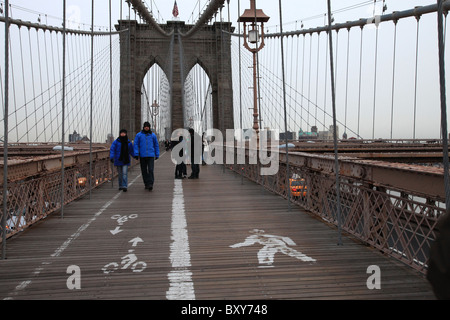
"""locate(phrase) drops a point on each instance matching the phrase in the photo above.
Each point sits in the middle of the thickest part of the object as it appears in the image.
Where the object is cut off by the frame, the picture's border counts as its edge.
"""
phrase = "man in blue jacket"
(120, 152)
(146, 147)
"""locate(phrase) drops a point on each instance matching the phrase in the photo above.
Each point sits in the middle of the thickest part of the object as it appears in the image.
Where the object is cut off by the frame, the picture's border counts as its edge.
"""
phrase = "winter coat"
(114, 152)
(146, 145)
(438, 273)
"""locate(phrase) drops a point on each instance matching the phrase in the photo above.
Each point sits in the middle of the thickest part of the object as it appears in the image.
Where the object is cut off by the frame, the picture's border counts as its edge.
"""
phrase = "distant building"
(308, 135)
(328, 135)
(290, 135)
(74, 137)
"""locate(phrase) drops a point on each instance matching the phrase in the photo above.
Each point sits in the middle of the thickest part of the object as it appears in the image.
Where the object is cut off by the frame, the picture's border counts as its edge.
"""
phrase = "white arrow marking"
(135, 241)
(115, 231)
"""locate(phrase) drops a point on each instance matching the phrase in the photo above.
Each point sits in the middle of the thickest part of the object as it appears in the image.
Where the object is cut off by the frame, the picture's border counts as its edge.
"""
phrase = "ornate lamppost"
(254, 42)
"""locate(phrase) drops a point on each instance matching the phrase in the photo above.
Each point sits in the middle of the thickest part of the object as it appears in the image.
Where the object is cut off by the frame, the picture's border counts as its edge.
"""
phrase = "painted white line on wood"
(181, 285)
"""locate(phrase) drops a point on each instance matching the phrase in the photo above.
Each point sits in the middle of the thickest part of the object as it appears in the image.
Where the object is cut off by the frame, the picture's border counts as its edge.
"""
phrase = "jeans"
(147, 167)
(123, 176)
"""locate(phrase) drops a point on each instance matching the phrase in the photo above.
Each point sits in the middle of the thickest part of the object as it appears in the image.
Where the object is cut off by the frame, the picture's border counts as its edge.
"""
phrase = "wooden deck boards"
(220, 212)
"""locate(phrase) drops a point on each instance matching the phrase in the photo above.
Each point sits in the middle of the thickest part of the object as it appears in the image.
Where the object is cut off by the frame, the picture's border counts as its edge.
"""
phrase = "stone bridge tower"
(143, 45)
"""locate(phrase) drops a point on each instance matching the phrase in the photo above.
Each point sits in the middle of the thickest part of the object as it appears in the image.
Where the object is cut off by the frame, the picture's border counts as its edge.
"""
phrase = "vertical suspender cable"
(303, 82)
(443, 107)
(309, 80)
(63, 109)
(333, 96)
(317, 78)
(360, 78)
(285, 112)
(240, 86)
(415, 75)
(5, 138)
(393, 77)
(32, 81)
(375, 83)
(110, 87)
(92, 96)
(325, 85)
(346, 83)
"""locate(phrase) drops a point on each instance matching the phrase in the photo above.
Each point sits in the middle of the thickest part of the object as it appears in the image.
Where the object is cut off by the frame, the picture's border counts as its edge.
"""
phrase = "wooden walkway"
(211, 238)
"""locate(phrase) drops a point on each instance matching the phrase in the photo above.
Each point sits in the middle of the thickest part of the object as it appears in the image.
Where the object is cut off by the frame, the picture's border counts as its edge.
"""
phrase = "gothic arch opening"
(198, 100)
(155, 101)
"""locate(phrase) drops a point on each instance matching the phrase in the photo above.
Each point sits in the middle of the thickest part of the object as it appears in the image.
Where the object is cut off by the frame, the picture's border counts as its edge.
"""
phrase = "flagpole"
(175, 11)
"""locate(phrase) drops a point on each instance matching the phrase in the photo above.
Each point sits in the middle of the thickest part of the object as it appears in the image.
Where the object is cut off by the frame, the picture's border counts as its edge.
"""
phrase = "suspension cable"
(285, 111)
(415, 75)
(5, 137)
(336, 159)
(393, 76)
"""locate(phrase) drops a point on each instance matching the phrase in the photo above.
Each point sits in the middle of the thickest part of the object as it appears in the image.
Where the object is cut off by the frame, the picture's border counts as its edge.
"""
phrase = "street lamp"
(155, 112)
(256, 19)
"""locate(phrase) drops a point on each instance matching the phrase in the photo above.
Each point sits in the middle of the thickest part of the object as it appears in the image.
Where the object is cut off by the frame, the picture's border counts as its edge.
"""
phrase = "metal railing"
(33, 197)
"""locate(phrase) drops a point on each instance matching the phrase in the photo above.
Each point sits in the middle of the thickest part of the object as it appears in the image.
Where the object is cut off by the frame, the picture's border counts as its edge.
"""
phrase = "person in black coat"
(195, 152)
(180, 169)
(120, 152)
(438, 273)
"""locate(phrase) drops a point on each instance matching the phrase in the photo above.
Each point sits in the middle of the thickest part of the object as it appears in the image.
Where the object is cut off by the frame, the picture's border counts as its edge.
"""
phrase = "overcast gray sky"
(293, 10)
(311, 14)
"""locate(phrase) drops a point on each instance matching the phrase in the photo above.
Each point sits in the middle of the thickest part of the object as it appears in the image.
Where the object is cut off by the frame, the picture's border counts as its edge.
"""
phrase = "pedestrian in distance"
(120, 155)
(146, 147)
(180, 168)
(204, 146)
(195, 152)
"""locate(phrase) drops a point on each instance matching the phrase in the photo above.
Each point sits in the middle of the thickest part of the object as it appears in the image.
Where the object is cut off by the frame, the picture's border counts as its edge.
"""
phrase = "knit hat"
(146, 124)
(123, 131)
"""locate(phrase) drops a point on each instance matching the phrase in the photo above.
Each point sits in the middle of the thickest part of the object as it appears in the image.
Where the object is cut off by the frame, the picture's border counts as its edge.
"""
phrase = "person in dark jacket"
(119, 154)
(438, 273)
(180, 168)
(195, 151)
(146, 147)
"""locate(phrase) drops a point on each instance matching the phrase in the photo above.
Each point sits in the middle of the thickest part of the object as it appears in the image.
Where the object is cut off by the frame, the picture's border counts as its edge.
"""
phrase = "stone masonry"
(142, 46)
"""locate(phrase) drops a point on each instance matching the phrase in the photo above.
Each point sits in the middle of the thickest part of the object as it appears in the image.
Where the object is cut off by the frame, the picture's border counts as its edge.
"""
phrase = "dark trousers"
(147, 167)
(195, 168)
(180, 170)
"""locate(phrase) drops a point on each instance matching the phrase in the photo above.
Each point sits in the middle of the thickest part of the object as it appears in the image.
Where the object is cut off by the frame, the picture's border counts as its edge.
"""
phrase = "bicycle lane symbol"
(129, 261)
(120, 221)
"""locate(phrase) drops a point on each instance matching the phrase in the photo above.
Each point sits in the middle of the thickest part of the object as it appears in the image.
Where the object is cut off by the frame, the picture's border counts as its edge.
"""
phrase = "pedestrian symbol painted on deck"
(272, 245)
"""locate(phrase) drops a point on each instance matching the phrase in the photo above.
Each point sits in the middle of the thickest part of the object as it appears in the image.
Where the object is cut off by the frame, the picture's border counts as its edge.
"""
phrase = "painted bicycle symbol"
(122, 219)
(128, 261)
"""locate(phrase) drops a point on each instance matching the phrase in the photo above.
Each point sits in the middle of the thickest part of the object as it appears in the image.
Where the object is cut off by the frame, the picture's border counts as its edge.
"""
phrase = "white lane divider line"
(181, 285)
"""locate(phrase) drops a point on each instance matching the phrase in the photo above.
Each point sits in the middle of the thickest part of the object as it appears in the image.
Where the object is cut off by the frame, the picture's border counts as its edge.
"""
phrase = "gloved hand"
(137, 158)
(112, 160)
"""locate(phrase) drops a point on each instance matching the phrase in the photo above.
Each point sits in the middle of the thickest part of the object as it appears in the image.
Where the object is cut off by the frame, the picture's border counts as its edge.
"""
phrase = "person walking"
(146, 147)
(204, 146)
(195, 151)
(120, 152)
(180, 168)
